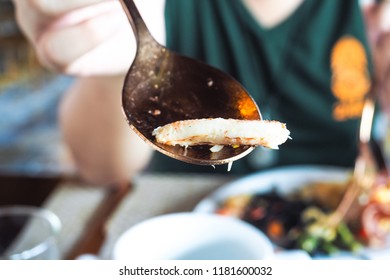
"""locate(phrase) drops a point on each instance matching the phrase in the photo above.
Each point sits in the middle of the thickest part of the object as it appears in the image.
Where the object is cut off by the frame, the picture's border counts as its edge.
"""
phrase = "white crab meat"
(219, 131)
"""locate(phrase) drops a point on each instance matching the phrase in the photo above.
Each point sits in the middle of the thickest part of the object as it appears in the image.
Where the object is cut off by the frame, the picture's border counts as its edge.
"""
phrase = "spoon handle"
(141, 32)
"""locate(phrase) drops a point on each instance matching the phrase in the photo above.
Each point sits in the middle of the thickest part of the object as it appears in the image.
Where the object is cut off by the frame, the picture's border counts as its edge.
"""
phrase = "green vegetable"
(347, 238)
(329, 248)
(308, 242)
(319, 235)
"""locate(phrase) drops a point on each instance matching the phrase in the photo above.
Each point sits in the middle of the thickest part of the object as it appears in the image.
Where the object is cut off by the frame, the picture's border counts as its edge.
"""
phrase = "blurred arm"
(104, 148)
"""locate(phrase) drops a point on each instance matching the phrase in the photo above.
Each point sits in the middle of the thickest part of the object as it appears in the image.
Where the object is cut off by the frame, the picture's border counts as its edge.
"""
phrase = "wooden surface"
(25, 190)
(94, 235)
(95, 216)
(35, 191)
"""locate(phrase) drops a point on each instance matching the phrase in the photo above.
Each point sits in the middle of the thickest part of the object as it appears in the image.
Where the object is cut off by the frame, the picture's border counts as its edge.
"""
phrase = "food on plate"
(300, 220)
(219, 131)
(375, 215)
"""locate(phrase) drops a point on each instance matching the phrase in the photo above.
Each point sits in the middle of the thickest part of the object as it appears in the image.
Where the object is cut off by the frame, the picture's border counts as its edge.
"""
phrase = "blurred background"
(30, 142)
(34, 161)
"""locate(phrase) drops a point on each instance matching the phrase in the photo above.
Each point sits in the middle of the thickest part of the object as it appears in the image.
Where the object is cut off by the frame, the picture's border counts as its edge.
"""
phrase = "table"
(93, 217)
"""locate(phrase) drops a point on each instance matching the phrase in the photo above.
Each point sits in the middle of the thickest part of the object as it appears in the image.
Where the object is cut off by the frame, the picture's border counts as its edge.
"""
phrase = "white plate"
(284, 180)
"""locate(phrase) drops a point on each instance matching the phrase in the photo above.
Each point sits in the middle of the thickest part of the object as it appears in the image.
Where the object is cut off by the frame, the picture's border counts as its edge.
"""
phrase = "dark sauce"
(278, 217)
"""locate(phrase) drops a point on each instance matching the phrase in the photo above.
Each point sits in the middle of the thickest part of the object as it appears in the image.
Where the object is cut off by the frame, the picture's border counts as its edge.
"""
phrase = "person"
(307, 63)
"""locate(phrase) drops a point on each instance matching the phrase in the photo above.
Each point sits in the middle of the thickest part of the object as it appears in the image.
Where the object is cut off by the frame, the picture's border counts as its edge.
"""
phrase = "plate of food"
(289, 204)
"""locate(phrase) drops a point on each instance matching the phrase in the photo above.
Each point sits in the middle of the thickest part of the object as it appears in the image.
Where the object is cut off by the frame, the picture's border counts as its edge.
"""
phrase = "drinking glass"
(28, 233)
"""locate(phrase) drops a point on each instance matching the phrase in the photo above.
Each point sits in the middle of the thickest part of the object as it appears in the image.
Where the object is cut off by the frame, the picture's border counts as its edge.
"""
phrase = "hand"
(79, 37)
(378, 29)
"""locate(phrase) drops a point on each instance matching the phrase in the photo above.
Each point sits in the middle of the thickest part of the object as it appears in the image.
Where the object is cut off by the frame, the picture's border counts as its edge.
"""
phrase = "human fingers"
(65, 43)
(112, 57)
(34, 15)
(92, 40)
(70, 38)
(55, 7)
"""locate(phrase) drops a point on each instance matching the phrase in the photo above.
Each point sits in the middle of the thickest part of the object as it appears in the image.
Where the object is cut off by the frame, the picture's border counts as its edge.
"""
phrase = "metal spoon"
(369, 163)
(162, 87)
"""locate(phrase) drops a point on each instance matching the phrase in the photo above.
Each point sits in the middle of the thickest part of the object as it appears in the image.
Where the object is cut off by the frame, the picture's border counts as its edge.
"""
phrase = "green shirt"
(288, 71)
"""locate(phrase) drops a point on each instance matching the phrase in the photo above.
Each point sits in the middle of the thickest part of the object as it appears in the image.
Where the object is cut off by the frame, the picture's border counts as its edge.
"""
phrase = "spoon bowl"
(163, 87)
